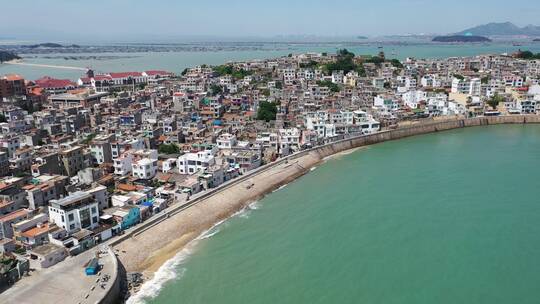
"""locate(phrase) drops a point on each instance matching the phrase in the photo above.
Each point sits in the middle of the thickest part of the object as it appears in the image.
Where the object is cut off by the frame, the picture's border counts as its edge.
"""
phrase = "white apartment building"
(323, 129)
(431, 80)
(144, 168)
(268, 140)
(467, 86)
(76, 211)
(226, 141)
(367, 123)
(100, 195)
(513, 81)
(337, 77)
(289, 140)
(190, 163)
(413, 98)
(122, 165)
(289, 75)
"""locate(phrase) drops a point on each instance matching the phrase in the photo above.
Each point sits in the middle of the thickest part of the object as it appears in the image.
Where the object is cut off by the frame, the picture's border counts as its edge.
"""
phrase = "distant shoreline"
(21, 62)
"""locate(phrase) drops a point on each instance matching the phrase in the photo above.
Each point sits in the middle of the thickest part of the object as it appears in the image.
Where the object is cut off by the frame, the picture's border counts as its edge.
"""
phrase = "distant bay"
(178, 61)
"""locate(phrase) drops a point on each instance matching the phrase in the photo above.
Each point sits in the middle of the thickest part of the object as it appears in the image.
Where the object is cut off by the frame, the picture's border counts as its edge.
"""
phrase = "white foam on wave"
(254, 206)
(165, 273)
(281, 187)
(169, 270)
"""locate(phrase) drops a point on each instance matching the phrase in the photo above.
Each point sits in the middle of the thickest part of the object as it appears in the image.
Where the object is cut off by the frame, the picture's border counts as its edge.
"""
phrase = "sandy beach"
(149, 250)
(21, 62)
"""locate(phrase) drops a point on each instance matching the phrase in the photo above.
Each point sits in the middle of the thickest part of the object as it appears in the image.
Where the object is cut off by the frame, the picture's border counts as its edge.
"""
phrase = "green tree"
(375, 59)
(528, 55)
(327, 83)
(310, 65)
(89, 138)
(222, 70)
(494, 101)
(215, 89)
(396, 63)
(361, 70)
(168, 149)
(344, 62)
(267, 111)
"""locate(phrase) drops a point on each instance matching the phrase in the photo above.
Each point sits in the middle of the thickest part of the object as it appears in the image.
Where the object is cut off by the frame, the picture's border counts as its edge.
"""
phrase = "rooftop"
(72, 199)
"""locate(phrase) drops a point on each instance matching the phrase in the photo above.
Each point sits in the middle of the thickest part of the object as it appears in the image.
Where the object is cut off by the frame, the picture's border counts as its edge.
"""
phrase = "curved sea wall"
(152, 243)
(112, 293)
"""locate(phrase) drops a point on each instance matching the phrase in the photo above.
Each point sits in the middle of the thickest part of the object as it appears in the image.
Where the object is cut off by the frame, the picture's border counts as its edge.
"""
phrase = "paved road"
(65, 282)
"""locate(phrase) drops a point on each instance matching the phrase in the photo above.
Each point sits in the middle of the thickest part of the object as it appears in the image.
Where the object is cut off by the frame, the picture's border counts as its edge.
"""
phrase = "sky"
(132, 20)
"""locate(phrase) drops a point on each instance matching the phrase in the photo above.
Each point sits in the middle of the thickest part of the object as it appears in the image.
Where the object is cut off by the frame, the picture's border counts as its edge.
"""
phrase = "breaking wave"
(170, 270)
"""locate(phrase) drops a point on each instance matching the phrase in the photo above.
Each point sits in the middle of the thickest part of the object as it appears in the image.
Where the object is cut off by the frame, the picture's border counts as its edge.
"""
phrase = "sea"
(63, 65)
(450, 217)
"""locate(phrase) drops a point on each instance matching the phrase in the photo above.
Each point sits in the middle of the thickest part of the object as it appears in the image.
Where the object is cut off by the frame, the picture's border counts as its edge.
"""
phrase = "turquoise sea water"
(451, 217)
(178, 61)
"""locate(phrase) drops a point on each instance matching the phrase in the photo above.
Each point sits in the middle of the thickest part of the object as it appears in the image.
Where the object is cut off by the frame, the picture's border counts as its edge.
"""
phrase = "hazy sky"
(132, 19)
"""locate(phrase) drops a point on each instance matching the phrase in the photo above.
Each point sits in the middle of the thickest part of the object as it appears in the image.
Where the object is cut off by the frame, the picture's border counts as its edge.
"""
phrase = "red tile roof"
(126, 74)
(51, 83)
(102, 77)
(33, 232)
(13, 215)
(13, 77)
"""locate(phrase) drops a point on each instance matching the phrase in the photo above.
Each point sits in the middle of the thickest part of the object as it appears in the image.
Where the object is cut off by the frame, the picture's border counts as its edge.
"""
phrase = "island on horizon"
(461, 38)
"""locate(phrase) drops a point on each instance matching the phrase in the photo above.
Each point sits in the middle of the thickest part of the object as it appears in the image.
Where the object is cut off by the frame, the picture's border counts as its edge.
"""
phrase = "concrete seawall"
(146, 248)
(112, 293)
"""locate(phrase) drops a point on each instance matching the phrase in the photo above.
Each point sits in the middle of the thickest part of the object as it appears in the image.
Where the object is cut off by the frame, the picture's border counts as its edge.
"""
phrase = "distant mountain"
(461, 38)
(502, 29)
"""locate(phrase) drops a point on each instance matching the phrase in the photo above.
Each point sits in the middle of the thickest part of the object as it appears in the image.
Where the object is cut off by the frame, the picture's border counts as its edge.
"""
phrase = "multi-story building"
(144, 168)
(73, 160)
(190, 163)
(77, 211)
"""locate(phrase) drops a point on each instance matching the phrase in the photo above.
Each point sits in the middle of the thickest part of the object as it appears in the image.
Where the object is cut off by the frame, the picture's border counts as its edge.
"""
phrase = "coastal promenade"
(149, 246)
(146, 247)
(66, 282)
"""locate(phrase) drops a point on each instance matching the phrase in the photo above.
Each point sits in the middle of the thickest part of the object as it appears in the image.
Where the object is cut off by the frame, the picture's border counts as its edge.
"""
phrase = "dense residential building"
(82, 161)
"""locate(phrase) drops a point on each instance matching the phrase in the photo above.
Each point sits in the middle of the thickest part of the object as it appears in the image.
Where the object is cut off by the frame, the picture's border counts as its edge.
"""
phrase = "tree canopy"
(528, 55)
(327, 83)
(344, 62)
(267, 111)
(168, 149)
(494, 101)
(227, 69)
(215, 89)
